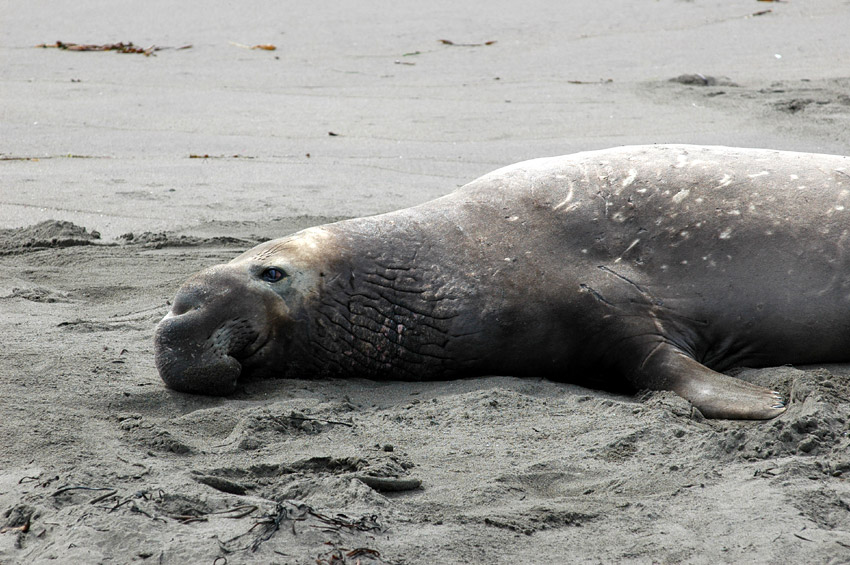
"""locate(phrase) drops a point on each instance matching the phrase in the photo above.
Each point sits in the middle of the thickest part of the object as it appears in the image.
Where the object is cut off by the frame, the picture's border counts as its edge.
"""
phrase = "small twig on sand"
(109, 494)
(449, 42)
(263, 46)
(306, 419)
(70, 488)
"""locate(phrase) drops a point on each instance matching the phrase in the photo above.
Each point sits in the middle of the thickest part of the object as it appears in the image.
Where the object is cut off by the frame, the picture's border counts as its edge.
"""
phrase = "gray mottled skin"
(653, 265)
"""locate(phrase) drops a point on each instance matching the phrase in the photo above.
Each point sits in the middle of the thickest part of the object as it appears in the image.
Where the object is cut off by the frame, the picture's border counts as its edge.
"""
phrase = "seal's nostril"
(188, 298)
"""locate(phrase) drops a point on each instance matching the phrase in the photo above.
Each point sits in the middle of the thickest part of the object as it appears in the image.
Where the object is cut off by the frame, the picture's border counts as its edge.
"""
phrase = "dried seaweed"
(268, 525)
(121, 47)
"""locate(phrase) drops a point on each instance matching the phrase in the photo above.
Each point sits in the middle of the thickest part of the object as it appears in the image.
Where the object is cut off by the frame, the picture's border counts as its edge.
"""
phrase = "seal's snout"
(187, 365)
(195, 343)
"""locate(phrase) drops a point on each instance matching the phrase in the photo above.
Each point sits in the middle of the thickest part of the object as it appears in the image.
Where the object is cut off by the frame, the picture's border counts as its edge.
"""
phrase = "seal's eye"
(273, 274)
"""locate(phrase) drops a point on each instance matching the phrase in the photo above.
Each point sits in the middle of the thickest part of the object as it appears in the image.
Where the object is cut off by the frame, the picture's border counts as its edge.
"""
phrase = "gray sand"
(200, 153)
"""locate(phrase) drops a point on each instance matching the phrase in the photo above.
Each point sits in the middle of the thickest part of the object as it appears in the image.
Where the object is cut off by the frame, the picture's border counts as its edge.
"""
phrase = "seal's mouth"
(255, 359)
(209, 365)
(249, 356)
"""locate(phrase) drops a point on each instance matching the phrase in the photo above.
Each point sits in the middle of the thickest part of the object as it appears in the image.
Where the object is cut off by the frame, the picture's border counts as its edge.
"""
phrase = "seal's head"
(239, 317)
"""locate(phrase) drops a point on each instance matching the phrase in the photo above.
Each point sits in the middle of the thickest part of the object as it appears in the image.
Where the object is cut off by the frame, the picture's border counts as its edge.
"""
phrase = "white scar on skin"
(630, 179)
(629, 248)
(725, 181)
(567, 199)
(681, 195)
(756, 175)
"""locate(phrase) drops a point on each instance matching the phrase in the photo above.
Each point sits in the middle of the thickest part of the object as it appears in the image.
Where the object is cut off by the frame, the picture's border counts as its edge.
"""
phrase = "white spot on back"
(630, 179)
(681, 195)
(567, 199)
(725, 181)
(760, 174)
(726, 234)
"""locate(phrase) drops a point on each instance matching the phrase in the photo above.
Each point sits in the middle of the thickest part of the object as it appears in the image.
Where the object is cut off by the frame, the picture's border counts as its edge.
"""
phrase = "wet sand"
(122, 174)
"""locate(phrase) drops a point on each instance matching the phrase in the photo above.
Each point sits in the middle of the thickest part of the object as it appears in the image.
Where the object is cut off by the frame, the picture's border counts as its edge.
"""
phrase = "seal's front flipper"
(716, 395)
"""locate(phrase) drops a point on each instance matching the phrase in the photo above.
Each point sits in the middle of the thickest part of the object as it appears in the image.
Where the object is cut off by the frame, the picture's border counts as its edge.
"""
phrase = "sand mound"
(47, 234)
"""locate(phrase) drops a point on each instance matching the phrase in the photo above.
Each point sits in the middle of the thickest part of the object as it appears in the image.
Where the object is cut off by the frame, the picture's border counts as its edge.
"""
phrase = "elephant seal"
(656, 265)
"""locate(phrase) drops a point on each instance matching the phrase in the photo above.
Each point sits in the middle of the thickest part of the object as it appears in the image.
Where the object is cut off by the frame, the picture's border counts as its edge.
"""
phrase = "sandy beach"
(121, 174)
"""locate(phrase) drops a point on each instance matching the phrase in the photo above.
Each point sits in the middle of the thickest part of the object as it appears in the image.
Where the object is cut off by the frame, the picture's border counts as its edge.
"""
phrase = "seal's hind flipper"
(716, 395)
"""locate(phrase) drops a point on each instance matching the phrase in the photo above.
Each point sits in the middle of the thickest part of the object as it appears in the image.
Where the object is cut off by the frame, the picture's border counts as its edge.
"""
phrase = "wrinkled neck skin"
(387, 305)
